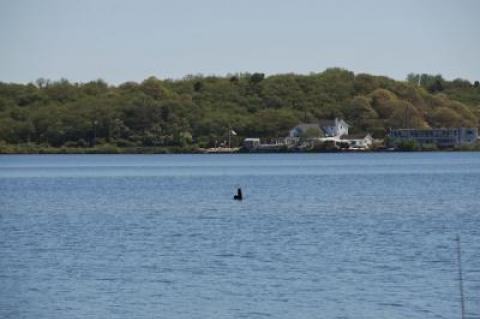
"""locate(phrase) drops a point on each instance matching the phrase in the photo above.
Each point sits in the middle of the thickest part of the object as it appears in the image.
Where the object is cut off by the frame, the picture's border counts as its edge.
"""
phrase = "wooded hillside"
(197, 110)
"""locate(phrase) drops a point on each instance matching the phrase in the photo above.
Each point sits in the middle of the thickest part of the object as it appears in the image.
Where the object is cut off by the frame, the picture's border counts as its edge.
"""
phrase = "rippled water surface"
(317, 236)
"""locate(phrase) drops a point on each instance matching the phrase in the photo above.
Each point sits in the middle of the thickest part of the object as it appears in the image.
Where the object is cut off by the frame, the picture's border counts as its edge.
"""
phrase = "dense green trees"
(198, 110)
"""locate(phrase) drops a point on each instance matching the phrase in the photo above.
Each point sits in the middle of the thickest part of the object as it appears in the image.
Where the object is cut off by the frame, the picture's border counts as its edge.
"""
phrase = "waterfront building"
(438, 136)
(358, 141)
(251, 143)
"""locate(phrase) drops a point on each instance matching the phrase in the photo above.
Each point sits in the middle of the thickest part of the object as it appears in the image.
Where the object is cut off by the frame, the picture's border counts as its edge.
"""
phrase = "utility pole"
(460, 278)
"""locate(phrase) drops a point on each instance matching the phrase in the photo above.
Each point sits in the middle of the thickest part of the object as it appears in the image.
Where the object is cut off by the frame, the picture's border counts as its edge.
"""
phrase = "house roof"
(321, 125)
(324, 123)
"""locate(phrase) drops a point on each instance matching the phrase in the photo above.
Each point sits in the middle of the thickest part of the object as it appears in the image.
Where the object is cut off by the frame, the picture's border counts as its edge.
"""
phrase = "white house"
(329, 128)
(358, 141)
(335, 127)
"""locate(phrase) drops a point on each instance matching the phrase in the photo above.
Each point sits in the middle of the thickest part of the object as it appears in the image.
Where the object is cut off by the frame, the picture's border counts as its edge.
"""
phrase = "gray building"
(438, 136)
(251, 143)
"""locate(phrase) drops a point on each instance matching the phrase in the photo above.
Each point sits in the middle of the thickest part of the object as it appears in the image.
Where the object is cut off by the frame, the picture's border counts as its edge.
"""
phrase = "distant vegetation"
(196, 111)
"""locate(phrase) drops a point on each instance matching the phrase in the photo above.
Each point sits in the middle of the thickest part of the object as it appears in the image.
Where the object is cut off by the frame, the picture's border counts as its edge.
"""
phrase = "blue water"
(317, 236)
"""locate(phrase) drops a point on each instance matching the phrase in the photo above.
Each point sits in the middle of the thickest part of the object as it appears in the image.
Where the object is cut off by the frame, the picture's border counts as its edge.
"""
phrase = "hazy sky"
(120, 41)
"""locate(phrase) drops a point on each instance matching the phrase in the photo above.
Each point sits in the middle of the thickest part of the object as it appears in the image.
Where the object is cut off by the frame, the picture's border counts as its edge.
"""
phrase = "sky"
(130, 40)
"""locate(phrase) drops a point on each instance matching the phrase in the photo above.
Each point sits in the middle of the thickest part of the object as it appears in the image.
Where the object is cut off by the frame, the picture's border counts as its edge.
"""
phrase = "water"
(317, 236)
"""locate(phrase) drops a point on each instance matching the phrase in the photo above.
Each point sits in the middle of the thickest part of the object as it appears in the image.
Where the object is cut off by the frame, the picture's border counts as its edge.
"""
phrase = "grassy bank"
(100, 149)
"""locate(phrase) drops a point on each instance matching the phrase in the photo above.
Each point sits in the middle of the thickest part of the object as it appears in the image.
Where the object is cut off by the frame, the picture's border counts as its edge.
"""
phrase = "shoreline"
(166, 151)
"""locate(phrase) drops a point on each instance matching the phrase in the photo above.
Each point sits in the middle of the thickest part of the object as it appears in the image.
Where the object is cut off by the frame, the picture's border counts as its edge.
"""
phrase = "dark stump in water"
(239, 195)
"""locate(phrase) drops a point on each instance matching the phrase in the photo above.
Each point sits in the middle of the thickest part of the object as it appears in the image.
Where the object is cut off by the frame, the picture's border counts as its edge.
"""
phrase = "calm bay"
(360, 235)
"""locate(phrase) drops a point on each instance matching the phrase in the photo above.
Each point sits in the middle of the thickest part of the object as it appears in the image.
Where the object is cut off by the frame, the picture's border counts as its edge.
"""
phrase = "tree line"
(197, 111)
